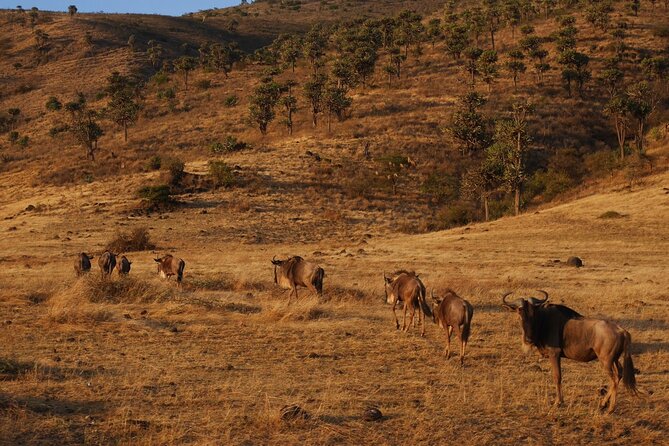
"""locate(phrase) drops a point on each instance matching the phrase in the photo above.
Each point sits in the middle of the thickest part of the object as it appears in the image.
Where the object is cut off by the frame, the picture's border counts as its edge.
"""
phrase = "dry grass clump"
(611, 214)
(304, 309)
(135, 240)
(90, 299)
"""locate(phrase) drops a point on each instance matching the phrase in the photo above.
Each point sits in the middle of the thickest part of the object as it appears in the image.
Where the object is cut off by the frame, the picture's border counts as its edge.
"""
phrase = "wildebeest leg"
(397, 322)
(404, 319)
(610, 398)
(421, 316)
(413, 313)
(557, 376)
(449, 332)
(463, 344)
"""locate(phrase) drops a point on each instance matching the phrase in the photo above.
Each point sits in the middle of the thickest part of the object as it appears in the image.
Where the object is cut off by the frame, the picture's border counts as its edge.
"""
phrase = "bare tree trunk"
(516, 201)
(486, 208)
(125, 131)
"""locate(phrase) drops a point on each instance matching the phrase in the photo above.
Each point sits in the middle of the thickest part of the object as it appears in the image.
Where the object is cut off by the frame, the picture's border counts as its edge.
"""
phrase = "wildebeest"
(295, 272)
(107, 262)
(83, 263)
(453, 312)
(123, 266)
(558, 331)
(404, 286)
(169, 266)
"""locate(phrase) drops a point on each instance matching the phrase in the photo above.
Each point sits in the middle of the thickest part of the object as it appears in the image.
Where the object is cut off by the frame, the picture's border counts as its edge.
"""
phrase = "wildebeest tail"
(317, 280)
(467, 324)
(180, 271)
(628, 366)
(423, 303)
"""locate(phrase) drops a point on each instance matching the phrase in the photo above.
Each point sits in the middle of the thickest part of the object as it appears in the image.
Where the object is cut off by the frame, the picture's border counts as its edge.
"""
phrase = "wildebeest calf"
(123, 266)
(296, 272)
(404, 286)
(169, 266)
(453, 313)
(107, 262)
(83, 264)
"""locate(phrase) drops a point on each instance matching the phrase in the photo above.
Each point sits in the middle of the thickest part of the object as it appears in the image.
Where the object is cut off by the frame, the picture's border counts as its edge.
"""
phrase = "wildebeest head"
(435, 304)
(388, 288)
(276, 263)
(527, 310)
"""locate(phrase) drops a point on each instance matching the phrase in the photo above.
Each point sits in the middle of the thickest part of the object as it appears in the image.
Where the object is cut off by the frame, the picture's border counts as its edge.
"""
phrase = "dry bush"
(304, 309)
(135, 240)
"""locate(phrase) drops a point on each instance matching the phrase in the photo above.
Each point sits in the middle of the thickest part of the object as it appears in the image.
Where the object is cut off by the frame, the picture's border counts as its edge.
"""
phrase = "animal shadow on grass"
(11, 369)
(649, 347)
(50, 406)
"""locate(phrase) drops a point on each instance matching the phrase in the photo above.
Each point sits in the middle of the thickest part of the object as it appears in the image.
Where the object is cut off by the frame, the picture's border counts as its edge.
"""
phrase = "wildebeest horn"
(432, 293)
(514, 305)
(157, 260)
(539, 301)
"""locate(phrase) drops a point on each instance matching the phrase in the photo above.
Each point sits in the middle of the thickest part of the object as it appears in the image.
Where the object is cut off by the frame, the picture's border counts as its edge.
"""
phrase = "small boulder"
(372, 414)
(575, 261)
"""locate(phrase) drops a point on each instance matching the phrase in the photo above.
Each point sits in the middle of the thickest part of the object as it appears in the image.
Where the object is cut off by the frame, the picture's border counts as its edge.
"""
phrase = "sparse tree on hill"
(289, 104)
(155, 53)
(471, 63)
(575, 70)
(184, 65)
(468, 126)
(335, 102)
(344, 72)
(84, 125)
(391, 71)
(397, 59)
(511, 147)
(634, 6)
(72, 10)
(434, 31)
(475, 22)
(515, 65)
(123, 106)
(641, 101)
(618, 108)
(612, 77)
(264, 99)
(364, 62)
(456, 39)
(315, 43)
(34, 16)
(481, 181)
(41, 45)
(492, 15)
(598, 14)
(487, 67)
(314, 91)
(511, 11)
(131, 43)
(290, 50)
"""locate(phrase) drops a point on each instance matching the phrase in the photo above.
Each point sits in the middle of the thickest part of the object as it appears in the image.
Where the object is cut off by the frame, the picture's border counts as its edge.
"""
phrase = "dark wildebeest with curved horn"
(453, 312)
(404, 286)
(294, 272)
(83, 263)
(558, 331)
(123, 266)
(169, 266)
(107, 262)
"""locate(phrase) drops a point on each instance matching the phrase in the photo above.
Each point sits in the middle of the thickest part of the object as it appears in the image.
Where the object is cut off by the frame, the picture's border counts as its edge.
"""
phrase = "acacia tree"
(184, 65)
(123, 106)
(72, 10)
(290, 50)
(315, 44)
(155, 53)
(433, 31)
(456, 39)
(510, 149)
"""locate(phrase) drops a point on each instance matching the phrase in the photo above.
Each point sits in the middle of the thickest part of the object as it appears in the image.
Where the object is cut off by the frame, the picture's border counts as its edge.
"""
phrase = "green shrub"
(441, 187)
(136, 240)
(231, 101)
(166, 93)
(229, 144)
(156, 197)
(53, 104)
(456, 214)
(602, 162)
(221, 174)
(13, 136)
(175, 170)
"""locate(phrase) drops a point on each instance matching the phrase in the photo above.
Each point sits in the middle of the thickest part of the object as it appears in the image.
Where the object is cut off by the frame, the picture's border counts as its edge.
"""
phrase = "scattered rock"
(575, 261)
(294, 412)
(372, 414)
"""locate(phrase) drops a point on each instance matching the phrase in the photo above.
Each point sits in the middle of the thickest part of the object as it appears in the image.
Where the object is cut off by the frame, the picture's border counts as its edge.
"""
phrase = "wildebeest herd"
(556, 331)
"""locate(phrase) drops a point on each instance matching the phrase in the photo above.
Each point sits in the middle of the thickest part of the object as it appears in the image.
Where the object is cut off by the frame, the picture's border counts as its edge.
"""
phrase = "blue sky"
(165, 7)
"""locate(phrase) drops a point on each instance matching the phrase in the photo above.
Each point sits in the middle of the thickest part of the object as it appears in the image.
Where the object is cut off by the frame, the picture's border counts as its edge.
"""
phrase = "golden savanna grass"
(138, 361)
